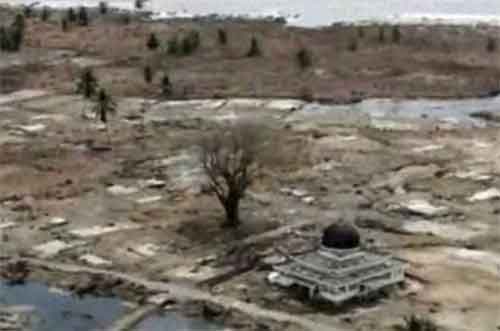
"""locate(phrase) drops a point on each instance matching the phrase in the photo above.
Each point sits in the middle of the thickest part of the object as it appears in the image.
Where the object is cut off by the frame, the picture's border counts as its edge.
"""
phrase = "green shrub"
(222, 36)
(304, 58)
(148, 74)
(125, 19)
(103, 7)
(396, 34)
(190, 42)
(139, 4)
(87, 85)
(381, 34)
(361, 32)
(353, 45)
(416, 323)
(491, 45)
(4, 39)
(64, 25)
(254, 48)
(166, 86)
(27, 11)
(45, 15)
(11, 37)
(83, 17)
(152, 42)
(71, 15)
(173, 46)
(19, 22)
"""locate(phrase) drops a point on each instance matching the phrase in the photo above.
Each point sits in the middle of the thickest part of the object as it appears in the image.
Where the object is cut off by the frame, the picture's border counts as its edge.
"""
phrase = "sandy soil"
(429, 61)
(356, 173)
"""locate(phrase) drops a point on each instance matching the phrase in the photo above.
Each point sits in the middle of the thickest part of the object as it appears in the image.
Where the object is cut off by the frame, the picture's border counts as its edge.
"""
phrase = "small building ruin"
(340, 269)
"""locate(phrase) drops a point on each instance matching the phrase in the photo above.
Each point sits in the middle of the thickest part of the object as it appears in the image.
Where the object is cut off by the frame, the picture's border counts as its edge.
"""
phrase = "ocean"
(318, 12)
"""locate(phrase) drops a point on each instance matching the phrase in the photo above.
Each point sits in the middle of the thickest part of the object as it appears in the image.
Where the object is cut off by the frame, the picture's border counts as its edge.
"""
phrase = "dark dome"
(340, 236)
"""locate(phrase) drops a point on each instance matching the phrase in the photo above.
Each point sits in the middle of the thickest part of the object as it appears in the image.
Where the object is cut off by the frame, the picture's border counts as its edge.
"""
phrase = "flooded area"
(320, 12)
(424, 111)
(59, 311)
(36, 307)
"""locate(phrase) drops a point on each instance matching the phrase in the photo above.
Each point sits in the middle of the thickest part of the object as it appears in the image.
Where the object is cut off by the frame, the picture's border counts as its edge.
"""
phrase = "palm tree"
(148, 74)
(104, 105)
(87, 85)
(166, 86)
(254, 48)
(103, 7)
(71, 15)
(152, 42)
(83, 17)
(45, 14)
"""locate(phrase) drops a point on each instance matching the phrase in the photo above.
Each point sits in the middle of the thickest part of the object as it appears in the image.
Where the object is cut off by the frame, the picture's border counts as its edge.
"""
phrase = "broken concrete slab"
(326, 166)
(160, 299)
(472, 174)
(393, 126)
(99, 230)
(404, 175)
(229, 116)
(492, 193)
(487, 261)
(146, 250)
(347, 138)
(428, 148)
(261, 198)
(482, 144)
(445, 230)
(420, 207)
(7, 225)
(245, 103)
(309, 200)
(98, 126)
(21, 96)
(31, 128)
(94, 260)
(122, 190)
(152, 183)
(298, 193)
(83, 62)
(52, 248)
(50, 117)
(54, 222)
(146, 200)
(285, 104)
(197, 274)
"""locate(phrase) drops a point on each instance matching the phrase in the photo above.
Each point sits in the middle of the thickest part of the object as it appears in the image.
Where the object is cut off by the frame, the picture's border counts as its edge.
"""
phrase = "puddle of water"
(56, 312)
(165, 322)
(456, 111)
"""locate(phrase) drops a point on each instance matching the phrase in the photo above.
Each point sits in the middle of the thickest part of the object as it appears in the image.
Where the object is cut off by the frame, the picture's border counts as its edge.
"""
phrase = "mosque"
(340, 269)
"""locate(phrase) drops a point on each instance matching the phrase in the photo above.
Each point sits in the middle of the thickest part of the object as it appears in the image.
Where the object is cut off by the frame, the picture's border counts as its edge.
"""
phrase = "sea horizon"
(319, 13)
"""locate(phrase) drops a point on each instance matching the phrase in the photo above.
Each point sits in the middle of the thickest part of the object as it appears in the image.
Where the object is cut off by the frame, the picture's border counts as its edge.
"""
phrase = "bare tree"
(230, 159)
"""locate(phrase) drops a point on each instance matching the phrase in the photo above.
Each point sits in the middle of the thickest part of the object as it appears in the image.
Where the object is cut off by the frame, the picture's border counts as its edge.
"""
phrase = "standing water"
(317, 12)
(54, 311)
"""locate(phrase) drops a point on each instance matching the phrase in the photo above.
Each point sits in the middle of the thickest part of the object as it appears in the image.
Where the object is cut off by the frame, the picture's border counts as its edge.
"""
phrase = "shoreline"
(292, 20)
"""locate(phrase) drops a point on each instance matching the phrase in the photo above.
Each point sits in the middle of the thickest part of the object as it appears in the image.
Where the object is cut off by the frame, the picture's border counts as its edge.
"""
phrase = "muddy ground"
(429, 196)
